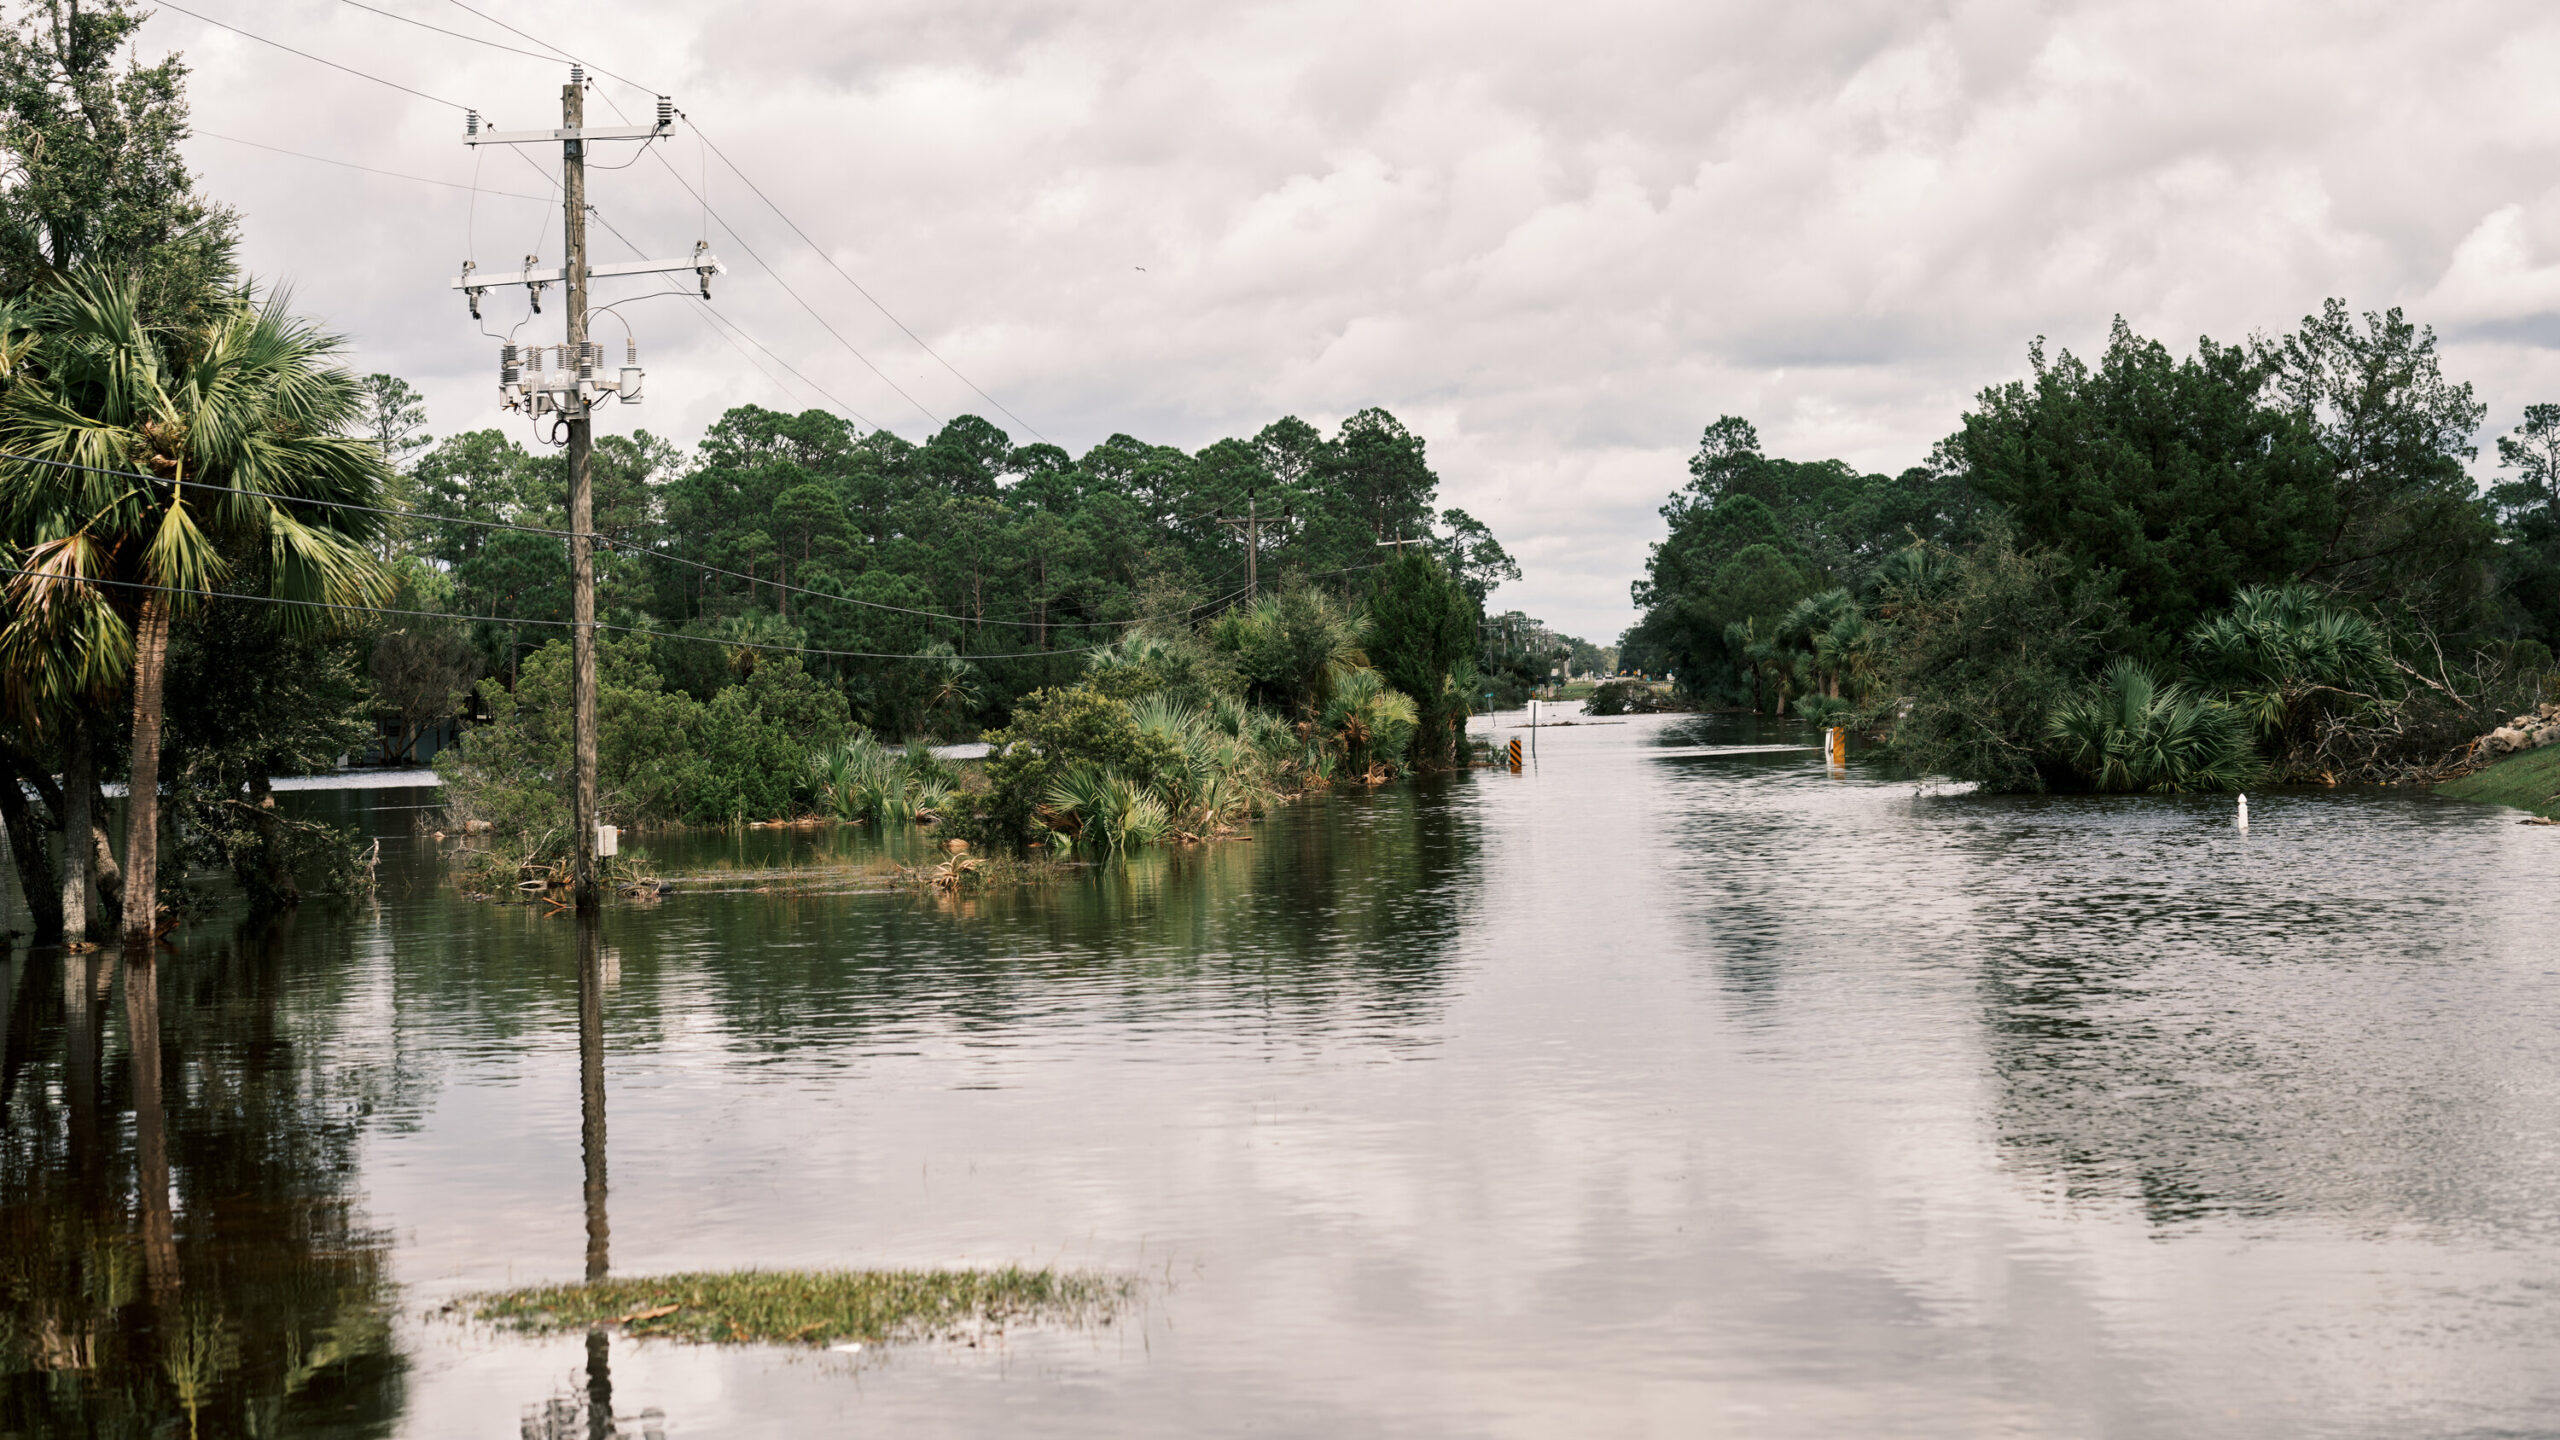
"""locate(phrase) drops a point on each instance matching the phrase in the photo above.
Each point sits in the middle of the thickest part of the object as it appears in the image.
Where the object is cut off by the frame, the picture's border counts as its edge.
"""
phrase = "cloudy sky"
(1556, 240)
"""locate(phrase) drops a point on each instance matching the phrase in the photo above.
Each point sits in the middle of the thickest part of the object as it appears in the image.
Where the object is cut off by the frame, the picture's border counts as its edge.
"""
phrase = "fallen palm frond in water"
(813, 1307)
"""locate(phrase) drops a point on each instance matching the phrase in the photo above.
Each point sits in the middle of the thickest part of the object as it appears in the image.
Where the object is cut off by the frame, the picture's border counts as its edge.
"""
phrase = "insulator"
(666, 113)
(630, 349)
(632, 376)
(510, 368)
(470, 122)
(577, 74)
(586, 361)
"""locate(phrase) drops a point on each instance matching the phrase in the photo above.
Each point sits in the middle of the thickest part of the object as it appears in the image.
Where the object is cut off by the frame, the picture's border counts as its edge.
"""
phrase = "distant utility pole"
(1250, 527)
(570, 393)
(1400, 542)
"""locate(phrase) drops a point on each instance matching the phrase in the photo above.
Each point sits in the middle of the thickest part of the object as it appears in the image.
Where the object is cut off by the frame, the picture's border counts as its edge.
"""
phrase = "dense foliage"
(2150, 572)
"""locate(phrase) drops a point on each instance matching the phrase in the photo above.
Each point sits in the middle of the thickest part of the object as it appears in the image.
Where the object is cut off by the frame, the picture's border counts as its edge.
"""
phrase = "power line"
(856, 284)
(528, 620)
(545, 44)
(370, 170)
(779, 214)
(705, 309)
(796, 296)
(307, 55)
(606, 541)
(456, 34)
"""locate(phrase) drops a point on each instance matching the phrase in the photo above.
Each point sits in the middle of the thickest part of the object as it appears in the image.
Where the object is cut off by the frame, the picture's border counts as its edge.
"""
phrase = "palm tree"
(196, 443)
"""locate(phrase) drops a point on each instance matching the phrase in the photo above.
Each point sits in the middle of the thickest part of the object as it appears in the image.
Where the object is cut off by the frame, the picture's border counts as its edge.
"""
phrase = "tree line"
(2152, 571)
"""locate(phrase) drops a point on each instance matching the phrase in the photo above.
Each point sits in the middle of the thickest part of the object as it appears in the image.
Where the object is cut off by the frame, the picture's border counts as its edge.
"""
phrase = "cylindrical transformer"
(629, 389)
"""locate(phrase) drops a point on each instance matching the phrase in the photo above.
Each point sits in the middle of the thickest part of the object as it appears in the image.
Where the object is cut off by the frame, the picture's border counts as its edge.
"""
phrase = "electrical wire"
(307, 55)
(456, 34)
(856, 284)
(545, 44)
(605, 541)
(704, 308)
(371, 170)
(797, 297)
(702, 197)
(529, 620)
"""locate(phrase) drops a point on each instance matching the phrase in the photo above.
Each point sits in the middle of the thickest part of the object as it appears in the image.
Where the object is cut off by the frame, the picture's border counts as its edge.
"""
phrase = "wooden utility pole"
(1250, 527)
(569, 395)
(582, 558)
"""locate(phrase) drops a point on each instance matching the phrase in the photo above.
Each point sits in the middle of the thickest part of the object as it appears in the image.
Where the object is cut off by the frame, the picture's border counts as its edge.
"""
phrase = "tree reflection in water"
(209, 1275)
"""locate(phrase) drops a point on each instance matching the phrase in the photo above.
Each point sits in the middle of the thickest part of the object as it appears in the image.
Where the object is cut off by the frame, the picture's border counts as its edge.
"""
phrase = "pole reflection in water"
(564, 1419)
(591, 1143)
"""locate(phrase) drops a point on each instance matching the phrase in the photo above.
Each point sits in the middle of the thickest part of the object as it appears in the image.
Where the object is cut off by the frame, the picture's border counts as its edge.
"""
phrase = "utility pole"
(1250, 527)
(582, 504)
(569, 393)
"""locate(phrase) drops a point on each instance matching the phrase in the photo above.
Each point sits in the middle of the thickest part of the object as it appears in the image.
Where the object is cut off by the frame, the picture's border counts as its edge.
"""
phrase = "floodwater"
(1667, 1088)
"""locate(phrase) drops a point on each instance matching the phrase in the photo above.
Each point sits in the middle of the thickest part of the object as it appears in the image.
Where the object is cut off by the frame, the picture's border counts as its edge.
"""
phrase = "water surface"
(1671, 1086)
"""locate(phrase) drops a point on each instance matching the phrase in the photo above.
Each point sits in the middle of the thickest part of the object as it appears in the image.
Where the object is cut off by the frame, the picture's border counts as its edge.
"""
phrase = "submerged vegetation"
(1174, 732)
(814, 1307)
(2151, 573)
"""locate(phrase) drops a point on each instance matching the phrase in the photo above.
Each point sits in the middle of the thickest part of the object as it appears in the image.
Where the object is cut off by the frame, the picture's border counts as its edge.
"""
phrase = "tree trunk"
(78, 784)
(34, 857)
(106, 877)
(142, 805)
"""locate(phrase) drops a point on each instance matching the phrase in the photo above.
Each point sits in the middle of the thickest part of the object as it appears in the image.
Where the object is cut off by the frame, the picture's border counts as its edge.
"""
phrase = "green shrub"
(1286, 648)
(745, 765)
(662, 756)
(1054, 731)
(2133, 733)
(1367, 722)
(1978, 663)
(1825, 710)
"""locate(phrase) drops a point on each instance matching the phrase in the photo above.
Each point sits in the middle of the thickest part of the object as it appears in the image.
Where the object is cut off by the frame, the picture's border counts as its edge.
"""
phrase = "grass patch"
(2528, 781)
(812, 1307)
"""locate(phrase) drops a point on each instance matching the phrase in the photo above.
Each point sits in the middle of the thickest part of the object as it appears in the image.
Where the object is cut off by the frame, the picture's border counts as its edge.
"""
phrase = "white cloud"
(1556, 240)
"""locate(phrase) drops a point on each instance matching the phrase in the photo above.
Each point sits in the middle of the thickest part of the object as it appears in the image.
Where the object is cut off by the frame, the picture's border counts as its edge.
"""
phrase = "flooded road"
(1674, 1086)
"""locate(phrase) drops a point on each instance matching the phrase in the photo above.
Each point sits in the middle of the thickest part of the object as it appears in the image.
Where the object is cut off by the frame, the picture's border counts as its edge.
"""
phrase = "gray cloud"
(1555, 240)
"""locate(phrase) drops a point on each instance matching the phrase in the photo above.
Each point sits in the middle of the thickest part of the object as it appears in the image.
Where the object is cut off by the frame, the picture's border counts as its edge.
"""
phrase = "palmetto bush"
(2284, 657)
(1367, 722)
(863, 780)
(2133, 732)
(1108, 810)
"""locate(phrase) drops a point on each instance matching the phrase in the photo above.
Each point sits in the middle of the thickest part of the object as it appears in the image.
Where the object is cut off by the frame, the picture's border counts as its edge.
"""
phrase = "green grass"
(2528, 781)
(811, 1307)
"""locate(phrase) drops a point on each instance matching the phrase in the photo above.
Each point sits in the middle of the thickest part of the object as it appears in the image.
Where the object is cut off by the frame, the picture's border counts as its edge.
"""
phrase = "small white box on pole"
(608, 841)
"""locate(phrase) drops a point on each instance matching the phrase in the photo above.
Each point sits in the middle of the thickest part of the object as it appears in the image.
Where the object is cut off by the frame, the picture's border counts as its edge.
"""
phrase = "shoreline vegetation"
(816, 1308)
(2258, 564)
(1178, 734)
